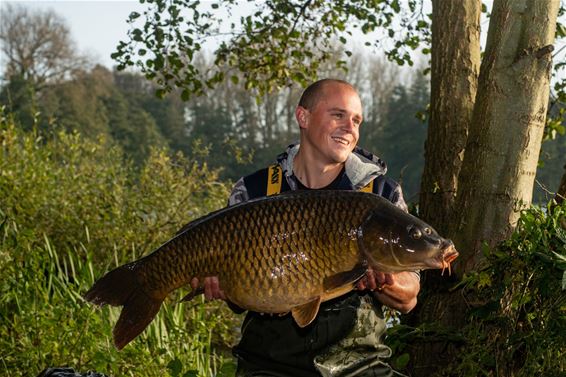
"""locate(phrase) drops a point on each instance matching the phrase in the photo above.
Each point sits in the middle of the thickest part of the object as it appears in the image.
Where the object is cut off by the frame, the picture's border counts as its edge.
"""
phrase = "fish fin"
(114, 288)
(192, 294)
(120, 287)
(138, 312)
(306, 313)
(337, 292)
(344, 278)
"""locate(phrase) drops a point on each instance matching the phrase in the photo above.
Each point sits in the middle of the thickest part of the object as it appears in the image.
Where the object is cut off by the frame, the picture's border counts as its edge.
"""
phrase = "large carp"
(284, 253)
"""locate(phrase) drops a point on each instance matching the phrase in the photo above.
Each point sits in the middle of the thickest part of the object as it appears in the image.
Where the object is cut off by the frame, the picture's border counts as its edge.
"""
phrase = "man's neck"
(315, 174)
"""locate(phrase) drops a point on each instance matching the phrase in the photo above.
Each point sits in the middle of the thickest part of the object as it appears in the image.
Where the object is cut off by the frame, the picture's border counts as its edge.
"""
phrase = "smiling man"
(346, 337)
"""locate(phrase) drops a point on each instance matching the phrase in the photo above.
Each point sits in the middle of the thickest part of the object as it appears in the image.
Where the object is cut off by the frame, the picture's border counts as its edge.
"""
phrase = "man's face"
(330, 130)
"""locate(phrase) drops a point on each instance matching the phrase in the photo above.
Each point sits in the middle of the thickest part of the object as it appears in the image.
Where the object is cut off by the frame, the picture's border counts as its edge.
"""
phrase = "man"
(345, 338)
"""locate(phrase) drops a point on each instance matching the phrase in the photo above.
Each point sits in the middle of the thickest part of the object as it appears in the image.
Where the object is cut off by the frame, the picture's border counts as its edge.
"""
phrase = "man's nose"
(349, 124)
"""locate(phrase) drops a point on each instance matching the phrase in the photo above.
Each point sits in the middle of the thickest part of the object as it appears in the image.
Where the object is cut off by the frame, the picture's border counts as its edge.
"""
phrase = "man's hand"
(398, 291)
(211, 288)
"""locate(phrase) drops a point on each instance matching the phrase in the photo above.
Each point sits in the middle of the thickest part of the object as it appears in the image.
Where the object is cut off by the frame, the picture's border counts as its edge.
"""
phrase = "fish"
(276, 254)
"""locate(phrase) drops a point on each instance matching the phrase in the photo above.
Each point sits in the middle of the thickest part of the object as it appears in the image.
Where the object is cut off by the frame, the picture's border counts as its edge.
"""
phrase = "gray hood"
(361, 166)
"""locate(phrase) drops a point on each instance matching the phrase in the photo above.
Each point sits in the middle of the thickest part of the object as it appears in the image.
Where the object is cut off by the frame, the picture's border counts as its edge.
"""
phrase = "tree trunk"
(454, 74)
(455, 65)
(475, 199)
(502, 151)
(561, 192)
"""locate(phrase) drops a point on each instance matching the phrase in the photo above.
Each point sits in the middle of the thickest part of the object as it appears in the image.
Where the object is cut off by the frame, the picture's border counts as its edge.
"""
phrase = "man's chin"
(341, 157)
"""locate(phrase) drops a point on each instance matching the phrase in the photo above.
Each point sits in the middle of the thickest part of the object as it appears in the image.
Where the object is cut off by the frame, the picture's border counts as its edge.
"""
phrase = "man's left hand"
(397, 290)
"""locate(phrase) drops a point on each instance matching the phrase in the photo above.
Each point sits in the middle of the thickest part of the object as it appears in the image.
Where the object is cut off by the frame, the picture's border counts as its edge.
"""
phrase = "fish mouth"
(447, 256)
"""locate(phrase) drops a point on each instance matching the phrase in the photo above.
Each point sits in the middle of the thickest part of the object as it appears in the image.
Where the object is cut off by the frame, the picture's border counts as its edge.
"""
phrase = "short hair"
(314, 91)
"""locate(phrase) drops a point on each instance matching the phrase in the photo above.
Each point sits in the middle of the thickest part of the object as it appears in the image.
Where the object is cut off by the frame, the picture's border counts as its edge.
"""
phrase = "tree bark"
(498, 171)
(476, 197)
(455, 63)
(454, 75)
(561, 192)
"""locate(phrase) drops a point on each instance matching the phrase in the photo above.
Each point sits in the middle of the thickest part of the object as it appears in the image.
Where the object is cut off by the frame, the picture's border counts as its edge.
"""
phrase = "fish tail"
(120, 287)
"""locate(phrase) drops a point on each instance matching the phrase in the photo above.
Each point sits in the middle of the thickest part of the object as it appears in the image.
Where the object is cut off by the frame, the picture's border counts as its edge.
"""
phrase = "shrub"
(71, 209)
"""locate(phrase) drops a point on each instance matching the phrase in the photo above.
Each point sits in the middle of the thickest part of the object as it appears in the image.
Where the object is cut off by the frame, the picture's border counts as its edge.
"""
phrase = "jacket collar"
(361, 166)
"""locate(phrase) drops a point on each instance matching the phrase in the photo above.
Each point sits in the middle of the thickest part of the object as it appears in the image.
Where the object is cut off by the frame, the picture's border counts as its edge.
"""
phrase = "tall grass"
(70, 210)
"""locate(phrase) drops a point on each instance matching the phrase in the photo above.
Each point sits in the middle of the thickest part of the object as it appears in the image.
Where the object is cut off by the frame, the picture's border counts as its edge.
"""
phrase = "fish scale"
(285, 253)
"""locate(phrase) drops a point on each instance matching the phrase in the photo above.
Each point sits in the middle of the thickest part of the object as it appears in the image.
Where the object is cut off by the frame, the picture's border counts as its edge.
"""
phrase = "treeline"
(239, 131)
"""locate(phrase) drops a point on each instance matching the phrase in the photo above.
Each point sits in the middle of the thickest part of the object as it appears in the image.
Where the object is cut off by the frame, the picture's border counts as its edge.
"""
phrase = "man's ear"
(302, 116)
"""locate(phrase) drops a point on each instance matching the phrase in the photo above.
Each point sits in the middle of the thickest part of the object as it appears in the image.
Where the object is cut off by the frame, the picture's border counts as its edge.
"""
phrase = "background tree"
(37, 46)
(401, 141)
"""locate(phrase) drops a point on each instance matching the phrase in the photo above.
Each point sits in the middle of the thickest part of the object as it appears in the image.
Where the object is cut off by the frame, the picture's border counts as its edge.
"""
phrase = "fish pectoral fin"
(193, 293)
(345, 278)
(306, 313)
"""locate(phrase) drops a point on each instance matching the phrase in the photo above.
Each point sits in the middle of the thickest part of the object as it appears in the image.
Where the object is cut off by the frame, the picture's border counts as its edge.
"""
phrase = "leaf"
(395, 6)
(175, 367)
(564, 281)
(133, 16)
(402, 361)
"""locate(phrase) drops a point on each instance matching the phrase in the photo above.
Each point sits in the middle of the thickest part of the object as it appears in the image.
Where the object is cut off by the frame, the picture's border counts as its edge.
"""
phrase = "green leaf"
(395, 6)
(560, 30)
(185, 95)
(175, 367)
(133, 16)
(401, 361)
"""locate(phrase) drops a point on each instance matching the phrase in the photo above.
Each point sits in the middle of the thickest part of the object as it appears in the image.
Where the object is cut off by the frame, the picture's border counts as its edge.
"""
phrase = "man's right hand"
(211, 287)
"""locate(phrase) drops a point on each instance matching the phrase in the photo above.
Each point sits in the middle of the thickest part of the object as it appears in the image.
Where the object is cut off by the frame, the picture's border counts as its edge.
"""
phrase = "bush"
(71, 209)
(520, 327)
(517, 320)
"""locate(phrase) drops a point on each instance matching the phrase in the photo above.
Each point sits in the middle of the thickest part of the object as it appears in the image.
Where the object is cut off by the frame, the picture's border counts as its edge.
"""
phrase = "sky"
(96, 26)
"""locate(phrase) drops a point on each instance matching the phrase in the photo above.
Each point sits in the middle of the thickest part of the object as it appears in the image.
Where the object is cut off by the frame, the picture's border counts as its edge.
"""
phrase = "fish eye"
(415, 233)
(428, 231)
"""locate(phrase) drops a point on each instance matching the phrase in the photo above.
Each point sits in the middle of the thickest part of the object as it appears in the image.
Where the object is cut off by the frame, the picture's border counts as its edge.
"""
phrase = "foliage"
(70, 209)
(401, 142)
(524, 312)
(299, 35)
(516, 305)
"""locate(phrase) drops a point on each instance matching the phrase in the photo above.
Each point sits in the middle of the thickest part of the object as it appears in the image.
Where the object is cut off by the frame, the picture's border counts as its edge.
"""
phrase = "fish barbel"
(277, 254)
